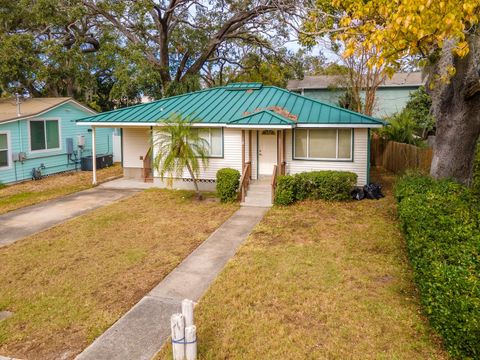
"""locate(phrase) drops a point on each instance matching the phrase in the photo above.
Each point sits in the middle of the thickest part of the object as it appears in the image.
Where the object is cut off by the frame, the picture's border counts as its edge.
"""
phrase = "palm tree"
(178, 146)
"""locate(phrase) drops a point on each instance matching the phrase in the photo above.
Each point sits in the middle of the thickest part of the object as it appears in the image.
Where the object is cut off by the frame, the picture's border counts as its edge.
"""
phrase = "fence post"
(191, 342)
(187, 312)
(177, 323)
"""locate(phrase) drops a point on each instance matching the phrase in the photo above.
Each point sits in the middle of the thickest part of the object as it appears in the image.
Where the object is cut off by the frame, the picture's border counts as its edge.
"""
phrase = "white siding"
(136, 143)
(232, 156)
(358, 165)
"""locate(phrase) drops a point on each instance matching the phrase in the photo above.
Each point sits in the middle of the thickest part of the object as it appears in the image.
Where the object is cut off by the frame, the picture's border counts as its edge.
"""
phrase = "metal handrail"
(244, 181)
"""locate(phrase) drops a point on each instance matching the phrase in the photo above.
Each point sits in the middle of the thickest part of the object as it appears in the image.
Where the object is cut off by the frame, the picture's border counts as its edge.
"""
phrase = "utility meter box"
(81, 141)
(69, 143)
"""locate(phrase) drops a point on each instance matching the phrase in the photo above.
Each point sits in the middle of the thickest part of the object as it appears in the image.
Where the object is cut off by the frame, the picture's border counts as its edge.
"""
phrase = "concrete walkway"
(17, 224)
(141, 332)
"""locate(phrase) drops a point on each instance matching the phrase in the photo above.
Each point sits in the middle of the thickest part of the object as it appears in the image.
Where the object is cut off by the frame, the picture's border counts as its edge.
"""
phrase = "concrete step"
(260, 187)
(257, 204)
(259, 192)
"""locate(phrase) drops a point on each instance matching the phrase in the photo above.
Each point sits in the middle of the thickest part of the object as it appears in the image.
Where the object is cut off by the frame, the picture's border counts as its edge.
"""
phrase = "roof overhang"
(258, 126)
(355, 126)
(233, 126)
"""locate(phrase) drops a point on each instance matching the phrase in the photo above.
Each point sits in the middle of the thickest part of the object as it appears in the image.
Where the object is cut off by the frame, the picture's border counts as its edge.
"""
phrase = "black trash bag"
(357, 193)
(373, 191)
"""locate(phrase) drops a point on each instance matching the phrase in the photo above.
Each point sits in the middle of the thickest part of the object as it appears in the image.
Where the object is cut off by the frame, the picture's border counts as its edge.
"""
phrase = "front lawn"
(317, 280)
(32, 192)
(68, 284)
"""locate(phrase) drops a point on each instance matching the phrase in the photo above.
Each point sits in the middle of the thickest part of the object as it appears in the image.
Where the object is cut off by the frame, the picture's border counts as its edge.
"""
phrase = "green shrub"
(315, 185)
(476, 172)
(441, 222)
(2, 185)
(286, 190)
(227, 184)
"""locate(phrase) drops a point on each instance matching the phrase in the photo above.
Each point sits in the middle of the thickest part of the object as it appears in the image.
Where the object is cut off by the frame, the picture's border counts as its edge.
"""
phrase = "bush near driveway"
(441, 221)
(314, 185)
(227, 184)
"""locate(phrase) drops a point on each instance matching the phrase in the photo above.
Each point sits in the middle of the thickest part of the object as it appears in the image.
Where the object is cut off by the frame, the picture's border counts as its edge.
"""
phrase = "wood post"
(191, 342)
(177, 324)
(243, 149)
(187, 311)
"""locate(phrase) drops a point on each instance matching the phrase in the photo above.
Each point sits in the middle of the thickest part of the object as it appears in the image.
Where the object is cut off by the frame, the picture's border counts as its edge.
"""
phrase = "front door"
(267, 151)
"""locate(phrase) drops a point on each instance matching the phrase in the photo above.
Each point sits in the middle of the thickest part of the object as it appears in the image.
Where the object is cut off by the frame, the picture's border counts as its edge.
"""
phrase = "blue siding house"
(391, 97)
(41, 133)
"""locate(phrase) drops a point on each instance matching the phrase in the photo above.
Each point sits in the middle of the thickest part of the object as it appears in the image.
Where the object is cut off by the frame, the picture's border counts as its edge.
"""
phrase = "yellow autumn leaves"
(401, 28)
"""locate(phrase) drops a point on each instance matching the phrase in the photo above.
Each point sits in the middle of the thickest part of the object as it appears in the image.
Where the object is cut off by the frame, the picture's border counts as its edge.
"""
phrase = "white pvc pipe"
(187, 312)
(177, 324)
(191, 342)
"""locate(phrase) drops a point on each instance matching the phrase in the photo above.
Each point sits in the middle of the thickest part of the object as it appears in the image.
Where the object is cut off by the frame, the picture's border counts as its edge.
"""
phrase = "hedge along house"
(35, 134)
(391, 96)
(253, 128)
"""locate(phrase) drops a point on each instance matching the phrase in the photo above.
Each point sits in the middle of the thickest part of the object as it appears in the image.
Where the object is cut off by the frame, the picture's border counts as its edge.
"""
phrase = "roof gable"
(221, 105)
(33, 107)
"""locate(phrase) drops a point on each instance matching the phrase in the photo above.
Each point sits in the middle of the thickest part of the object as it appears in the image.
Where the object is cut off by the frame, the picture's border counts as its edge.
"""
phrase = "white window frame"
(9, 150)
(336, 158)
(44, 120)
(210, 142)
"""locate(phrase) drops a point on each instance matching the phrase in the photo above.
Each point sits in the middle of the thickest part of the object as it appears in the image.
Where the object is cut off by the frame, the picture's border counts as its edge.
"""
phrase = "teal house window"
(3, 150)
(44, 135)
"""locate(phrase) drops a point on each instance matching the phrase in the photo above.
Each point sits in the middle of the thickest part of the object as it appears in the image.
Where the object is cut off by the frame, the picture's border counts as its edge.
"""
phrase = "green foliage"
(228, 181)
(418, 109)
(2, 185)
(401, 128)
(413, 124)
(441, 221)
(476, 172)
(348, 101)
(285, 193)
(315, 185)
(179, 148)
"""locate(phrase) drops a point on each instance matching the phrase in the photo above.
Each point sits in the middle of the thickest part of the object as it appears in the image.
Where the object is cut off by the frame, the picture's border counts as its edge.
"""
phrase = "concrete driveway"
(23, 222)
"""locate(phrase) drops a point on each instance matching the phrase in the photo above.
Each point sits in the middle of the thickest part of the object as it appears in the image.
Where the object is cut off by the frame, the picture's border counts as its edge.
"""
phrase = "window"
(214, 137)
(4, 161)
(323, 144)
(44, 135)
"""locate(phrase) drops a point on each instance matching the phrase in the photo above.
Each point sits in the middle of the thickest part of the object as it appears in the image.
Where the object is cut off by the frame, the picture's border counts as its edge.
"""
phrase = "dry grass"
(32, 192)
(317, 280)
(68, 284)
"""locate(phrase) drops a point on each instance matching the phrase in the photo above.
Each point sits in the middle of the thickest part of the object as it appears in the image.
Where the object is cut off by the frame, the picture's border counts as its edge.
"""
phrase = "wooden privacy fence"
(397, 157)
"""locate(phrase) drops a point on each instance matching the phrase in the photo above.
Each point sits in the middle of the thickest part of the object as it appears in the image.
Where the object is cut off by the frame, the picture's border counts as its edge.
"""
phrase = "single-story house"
(41, 134)
(391, 96)
(250, 127)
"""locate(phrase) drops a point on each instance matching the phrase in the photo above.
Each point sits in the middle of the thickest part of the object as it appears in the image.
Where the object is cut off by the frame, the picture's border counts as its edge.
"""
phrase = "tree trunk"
(456, 107)
(197, 190)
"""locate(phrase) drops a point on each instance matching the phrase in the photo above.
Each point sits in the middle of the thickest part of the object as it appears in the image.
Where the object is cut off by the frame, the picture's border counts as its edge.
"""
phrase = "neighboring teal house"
(391, 97)
(41, 134)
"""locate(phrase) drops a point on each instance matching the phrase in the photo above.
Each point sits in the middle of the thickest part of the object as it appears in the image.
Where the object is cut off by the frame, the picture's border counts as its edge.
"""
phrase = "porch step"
(258, 195)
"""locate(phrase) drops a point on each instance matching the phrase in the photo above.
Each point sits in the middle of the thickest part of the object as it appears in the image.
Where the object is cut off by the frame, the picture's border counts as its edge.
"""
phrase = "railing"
(274, 182)
(283, 167)
(244, 181)
(147, 166)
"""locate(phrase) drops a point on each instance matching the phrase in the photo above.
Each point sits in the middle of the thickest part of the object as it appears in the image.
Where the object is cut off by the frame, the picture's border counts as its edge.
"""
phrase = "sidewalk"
(141, 332)
(17, 224)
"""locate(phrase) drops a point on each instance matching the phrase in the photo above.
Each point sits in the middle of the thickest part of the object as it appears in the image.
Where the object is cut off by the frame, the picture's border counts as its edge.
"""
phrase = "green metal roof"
(222, 105)
(264, 117)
